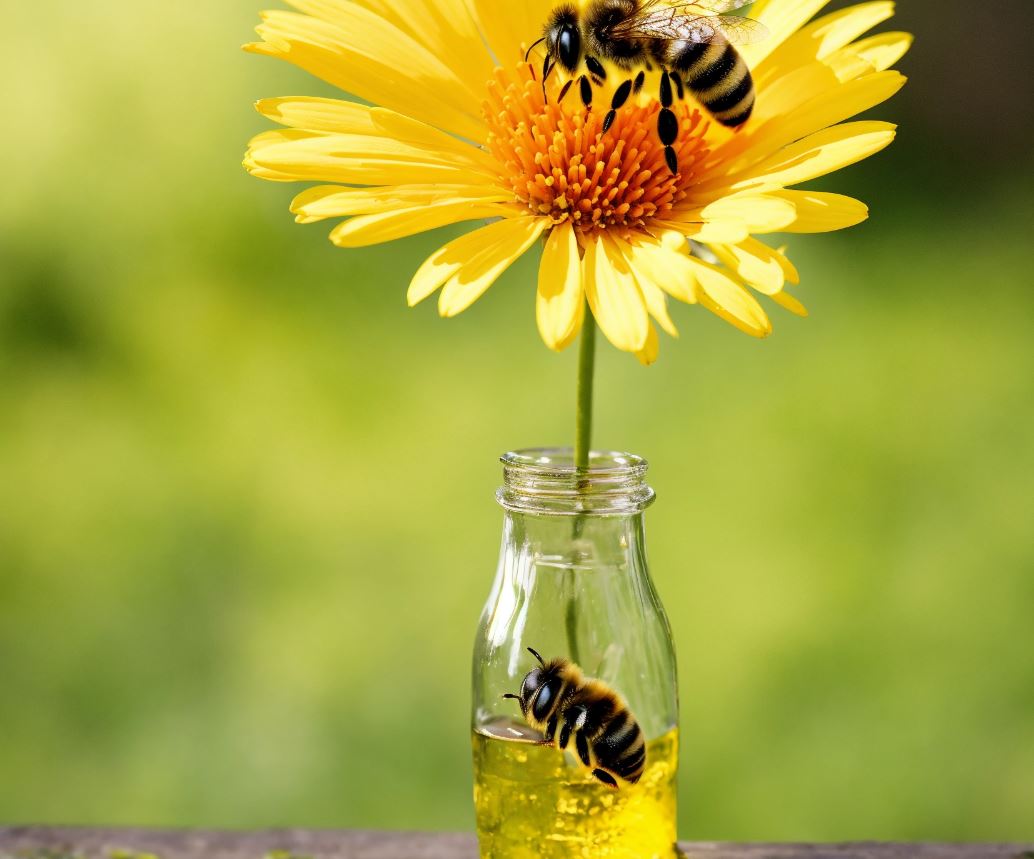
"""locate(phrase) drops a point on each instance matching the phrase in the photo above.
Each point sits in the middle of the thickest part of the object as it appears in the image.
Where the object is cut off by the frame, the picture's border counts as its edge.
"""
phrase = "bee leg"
(550, 731)
(667, 96)
(605, 777)
(620, 97)
(564, 90)
(573, 721)
(637, 85)
(668, 124)
(671, 159)
(595, 68)
(582, 745)
(675, 76)
(585, 91)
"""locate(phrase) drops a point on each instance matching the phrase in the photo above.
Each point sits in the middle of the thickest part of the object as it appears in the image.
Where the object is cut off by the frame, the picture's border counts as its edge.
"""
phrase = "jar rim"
(545, 480)
(560, 461)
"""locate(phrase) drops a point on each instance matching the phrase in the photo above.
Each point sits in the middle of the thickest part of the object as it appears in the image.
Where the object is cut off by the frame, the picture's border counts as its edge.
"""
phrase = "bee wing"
(673, 24)
(739, 30)
(715, 7)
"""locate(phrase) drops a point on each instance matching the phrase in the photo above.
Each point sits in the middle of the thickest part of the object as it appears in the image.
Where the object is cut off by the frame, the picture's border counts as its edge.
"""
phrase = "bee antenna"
(547, 69)
(532, 48)
(535, 653)
(511, 695)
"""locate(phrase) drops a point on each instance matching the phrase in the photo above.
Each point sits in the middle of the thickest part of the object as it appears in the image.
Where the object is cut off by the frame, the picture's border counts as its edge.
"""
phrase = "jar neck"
(590, 543)
(545, 482)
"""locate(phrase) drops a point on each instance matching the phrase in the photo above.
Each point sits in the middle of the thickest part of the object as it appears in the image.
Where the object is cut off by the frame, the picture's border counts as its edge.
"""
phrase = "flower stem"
(582, 446)
(586, 366)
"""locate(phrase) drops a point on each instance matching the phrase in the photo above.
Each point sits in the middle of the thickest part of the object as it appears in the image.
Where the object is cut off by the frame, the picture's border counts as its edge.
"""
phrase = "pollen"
(559, 162)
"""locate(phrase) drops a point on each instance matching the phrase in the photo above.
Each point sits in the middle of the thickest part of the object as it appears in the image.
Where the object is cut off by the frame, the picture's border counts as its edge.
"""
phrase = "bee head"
(539, 689)
(563, 38)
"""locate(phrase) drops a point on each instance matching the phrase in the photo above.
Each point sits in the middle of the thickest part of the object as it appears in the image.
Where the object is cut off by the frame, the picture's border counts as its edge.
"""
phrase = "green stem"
(582, 446)
(586, 366)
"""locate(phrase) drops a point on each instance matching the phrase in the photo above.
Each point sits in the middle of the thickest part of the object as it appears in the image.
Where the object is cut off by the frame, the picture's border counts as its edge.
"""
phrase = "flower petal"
(706, 232)
(873, 54)
(469, 282)
(560, 299)
(755, 263)
(667, 268)
(576, 327)
(829, 33)
(335, 201)
(318, 114)
(446, 28)
(788, 302)
(653, 296)
(291, 156)
(657, 305)
(614, 296)
(364, 230)
(831, 107)
(759, 213)
(791, 89)
(427, 90)
(720, 294)
(510, 28)
(822, 212)
(815, 155)
(731, 219)
(448, 259)
(783, 18)
(648, 354)
(401, 127)
(789, 269)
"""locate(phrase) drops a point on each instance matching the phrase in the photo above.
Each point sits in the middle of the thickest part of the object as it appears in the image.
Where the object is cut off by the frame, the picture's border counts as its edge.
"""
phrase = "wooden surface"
(58, 843)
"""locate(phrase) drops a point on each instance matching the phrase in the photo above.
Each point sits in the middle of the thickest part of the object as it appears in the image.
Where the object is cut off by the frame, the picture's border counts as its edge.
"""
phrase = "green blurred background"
(246, 496)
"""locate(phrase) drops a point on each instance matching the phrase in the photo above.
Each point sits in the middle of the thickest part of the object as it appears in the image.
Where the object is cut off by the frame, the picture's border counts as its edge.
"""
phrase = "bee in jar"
(571, 709)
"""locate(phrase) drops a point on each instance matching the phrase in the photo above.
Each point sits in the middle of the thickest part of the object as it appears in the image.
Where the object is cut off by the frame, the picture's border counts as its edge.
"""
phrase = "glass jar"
(573, 582)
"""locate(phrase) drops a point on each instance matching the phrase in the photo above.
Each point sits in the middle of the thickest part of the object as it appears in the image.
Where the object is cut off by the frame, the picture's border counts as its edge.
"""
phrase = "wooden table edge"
(59, 842)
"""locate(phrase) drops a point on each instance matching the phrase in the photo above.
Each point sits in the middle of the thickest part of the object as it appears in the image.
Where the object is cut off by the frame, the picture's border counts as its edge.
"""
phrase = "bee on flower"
(646, 146)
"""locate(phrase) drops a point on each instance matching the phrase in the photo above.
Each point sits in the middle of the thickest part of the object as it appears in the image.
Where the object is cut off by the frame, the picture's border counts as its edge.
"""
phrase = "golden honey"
(534, 802)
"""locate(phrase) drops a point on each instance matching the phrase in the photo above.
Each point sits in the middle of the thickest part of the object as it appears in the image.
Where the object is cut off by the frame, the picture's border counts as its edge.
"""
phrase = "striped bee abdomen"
(717, 76)
(585, 717)
(620, 747)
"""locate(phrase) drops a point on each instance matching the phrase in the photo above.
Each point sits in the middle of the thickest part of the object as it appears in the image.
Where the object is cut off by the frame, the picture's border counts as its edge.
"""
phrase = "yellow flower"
(460, 131)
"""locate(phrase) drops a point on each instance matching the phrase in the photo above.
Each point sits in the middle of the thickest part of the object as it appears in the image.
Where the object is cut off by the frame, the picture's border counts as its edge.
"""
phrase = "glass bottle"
(573, 582)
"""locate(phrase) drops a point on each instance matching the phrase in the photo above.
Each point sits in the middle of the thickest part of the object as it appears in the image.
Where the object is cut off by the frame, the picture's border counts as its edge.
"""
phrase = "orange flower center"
(559, 162)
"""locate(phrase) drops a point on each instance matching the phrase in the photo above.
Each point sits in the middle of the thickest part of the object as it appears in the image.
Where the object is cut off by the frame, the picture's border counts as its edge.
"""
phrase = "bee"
(693, 48)
(567, 707)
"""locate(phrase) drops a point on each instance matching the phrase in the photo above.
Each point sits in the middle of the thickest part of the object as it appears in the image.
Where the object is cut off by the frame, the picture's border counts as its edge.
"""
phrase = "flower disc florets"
(559, 161)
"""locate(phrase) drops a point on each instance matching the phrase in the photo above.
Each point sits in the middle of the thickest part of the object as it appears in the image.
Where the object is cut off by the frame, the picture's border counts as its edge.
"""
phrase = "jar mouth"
(560, 461)
(546, 480)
